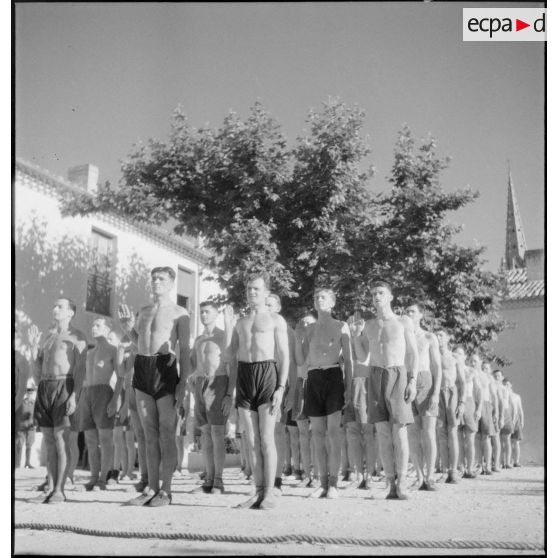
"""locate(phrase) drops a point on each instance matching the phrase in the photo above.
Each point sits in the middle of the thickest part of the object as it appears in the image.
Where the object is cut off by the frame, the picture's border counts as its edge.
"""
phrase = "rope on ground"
(281, 539)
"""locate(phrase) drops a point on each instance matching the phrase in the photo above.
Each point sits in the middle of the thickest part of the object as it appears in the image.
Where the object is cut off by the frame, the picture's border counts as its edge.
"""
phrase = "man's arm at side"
(435, 364)
(230, 360)
(120, 369)
(460, 381)
(282, 350)
(361, 344)
(347, 352)
(183, 337)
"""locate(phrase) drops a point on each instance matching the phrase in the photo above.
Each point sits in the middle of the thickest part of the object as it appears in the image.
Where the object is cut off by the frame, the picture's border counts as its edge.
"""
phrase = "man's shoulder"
(408, 323)
(279, 321)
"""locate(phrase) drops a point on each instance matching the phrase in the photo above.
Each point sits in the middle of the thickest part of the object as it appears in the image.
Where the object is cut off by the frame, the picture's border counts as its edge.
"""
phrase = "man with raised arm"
(159, 327)
(452, 405)
(58, 371)
(328, 388)
(389, 341)
(211, 386)
(257, 339)
(98, 404)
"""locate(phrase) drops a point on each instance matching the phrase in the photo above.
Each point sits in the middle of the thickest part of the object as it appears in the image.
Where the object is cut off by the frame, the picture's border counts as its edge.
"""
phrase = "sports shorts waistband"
(56, 379)
(256, 362)
(155, 355)
(329, 367)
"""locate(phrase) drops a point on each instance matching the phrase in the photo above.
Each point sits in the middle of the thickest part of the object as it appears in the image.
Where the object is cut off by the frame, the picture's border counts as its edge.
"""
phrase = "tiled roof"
(520, 288)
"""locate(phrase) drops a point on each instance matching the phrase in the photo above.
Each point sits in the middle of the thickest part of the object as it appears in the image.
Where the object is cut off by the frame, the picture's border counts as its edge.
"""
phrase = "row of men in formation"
(388, 381)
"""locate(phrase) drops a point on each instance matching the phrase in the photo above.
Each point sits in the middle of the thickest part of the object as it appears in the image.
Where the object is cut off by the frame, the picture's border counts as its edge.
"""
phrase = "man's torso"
(157, 329)
(386, 340)
(324, 343)
(59, 355)
(256, 337)
(423, 348)
(449, 369)
(100, 365)
(208, 354)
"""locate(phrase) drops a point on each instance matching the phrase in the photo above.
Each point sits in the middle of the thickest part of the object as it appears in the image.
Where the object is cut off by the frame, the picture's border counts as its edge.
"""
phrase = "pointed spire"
(515, 238)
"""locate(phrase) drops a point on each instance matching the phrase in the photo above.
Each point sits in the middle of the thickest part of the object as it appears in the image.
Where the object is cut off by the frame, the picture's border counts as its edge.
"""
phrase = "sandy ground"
(508, 506)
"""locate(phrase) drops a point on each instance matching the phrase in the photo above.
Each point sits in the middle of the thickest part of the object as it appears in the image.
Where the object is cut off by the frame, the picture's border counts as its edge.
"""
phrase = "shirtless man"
(360, 433)
(328, 388)
(273, 304)
(452, 405)
(422, 434)
(389, 341)
(303, 422)
(257, 339)
(507, 428)
(159, 390)
(518, 424)
(98, 404)
(498, 416)
(211, 386)
(468, 424)
(489, 411)
(58, 368)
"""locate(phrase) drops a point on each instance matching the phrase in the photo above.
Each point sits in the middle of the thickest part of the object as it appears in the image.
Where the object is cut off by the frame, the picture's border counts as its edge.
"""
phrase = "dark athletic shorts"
(422, 405)
(325, 392)
(94, 403)
(298, 406)
(256, 383)
(209, 393)
(468, 419)
(517, 433)
(486, 422)
(50, 404)
(356, 410)
(153, 376)
(507, 429)
(386, 396)
(448, 407)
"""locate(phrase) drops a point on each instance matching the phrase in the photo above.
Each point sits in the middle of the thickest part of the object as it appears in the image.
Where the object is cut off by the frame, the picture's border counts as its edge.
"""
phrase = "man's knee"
(106, 437)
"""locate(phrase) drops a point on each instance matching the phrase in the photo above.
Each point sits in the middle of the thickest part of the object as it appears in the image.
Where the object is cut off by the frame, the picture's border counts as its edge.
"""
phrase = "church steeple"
(515, 238)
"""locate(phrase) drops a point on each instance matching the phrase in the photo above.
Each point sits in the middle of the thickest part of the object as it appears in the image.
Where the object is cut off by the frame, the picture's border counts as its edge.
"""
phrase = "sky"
(93, 79)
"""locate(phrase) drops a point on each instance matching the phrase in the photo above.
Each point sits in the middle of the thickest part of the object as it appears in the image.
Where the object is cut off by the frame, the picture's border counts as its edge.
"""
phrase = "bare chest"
(259, 324)
(156, 320)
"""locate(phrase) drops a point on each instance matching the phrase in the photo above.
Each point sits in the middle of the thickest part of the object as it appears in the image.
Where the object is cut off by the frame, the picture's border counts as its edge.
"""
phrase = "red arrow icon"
(519, 25)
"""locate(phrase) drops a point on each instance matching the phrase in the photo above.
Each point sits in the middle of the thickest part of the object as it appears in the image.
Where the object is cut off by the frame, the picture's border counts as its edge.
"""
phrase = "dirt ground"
(506, 507)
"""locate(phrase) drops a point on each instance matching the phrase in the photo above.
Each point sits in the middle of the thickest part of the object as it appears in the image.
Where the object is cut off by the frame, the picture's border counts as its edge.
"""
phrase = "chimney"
(84, 176)
(534, 260)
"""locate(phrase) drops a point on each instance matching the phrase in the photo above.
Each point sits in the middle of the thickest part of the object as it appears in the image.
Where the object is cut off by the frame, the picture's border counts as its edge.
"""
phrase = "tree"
(416, 250)
(308, 216)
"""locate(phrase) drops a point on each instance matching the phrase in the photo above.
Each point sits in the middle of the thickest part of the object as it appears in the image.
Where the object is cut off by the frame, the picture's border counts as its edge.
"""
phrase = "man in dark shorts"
(98, 404)
(328, 388)
(507, 427)
(498, 416)
(59, 367)
(422, 434)
(452, 405)
(257, 339)
(159, 327)
(307, 456)
(211, 386)
(389, 342)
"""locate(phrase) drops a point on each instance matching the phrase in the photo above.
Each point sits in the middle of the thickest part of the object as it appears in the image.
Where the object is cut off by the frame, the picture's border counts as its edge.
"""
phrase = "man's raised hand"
(126, 317)
(34, 336)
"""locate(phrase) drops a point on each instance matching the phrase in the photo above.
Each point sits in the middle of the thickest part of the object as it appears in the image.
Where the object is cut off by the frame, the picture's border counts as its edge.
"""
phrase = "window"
(99, 280)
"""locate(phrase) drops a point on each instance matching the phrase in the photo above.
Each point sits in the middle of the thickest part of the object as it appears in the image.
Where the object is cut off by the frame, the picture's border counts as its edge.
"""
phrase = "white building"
(98, 261)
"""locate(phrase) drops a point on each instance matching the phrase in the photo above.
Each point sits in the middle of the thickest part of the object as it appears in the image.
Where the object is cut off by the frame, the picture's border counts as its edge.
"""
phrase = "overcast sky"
(92, 79)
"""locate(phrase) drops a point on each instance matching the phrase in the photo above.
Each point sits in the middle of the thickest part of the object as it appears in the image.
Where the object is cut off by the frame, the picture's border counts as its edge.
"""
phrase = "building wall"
(52, 257)
(524, 345)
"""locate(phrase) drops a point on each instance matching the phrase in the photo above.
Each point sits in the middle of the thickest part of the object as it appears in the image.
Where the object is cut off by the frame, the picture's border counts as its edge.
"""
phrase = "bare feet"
(255, 500)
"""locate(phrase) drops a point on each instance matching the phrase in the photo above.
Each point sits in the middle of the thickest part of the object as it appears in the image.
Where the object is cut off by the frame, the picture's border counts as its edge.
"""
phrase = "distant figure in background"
(507, 428)
(25, 425)
(518, 425)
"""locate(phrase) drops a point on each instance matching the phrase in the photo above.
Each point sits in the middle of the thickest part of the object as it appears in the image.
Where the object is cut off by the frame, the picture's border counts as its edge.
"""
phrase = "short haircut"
(506, 381)
(276, 298)
(327, 290)
(164, 269)
(381, 284)
(71, 304)
(209, 303)
(486, 362)
(107, 321)
(497, 370)
(416, 303)
(263, 275)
